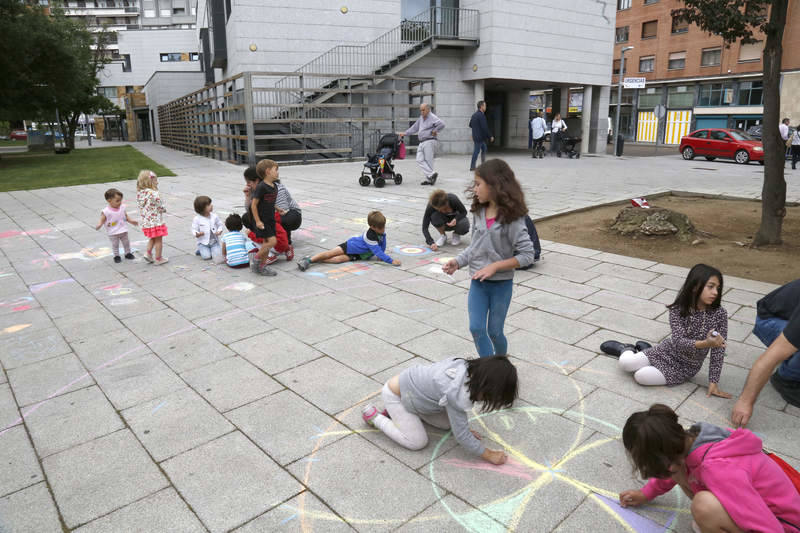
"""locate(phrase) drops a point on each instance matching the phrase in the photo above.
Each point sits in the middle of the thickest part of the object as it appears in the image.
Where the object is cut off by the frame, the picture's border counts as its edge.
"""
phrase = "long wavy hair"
(505, 191)
(689, 295)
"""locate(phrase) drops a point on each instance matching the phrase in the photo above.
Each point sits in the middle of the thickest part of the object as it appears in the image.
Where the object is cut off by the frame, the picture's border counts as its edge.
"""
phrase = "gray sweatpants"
(120, 238)
(425, 156)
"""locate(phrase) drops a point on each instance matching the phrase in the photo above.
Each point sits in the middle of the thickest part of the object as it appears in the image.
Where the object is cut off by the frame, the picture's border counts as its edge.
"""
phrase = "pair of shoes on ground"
(260, 267)
(369, 412)
(615, 348)
(304, 263)
(273, 255)
(431, 180)
(455, 239)
(118, 259)
(156, 261)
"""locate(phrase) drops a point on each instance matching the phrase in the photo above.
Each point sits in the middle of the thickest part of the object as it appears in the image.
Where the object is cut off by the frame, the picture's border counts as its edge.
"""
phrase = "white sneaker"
(441, 240)
(455, 239)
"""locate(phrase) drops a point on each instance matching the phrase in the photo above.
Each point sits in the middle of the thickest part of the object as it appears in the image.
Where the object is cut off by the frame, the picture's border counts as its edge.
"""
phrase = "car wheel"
(742, 157)
(710, 158)
(761, 162)
(688, 153)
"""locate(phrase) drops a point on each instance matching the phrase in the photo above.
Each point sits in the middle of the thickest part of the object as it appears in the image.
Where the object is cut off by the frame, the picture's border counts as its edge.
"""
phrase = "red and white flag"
(640, 202)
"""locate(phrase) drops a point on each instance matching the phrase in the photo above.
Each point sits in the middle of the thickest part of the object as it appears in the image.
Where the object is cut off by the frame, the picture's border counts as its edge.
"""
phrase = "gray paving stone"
(741, 297)
(230, 383)
(439, 344)
(666, 297)
(100, 476)
(38, 381)
(550, 388)
(633, 325)
(71, 419)
(390, 327)
(628, 304)
(428, 288)
(136, 378)
(414, 306)
(624, 286)
(29, 510)
(759, 287)
(551, 325)
(335, 465)
(234, 326)
(199, 305)
(275, 351)
(624, 272)
(174, 423)
(158, 325)
(544, 351)
(562, 270)
(162, 511)
(624, 260)
(9, 412)
(604, 411)
(449, 514)
(339, 306)
(36, 318)
(20, 465)
(745, 314)
(286, 426)
(562, 287)
(172, 288)
(189, 350)
(128, 306)
(553, 303)
(739, 331)
(104, 349)
(32, 346)
(573, 250)
(223, 498)
(672, 270)
(668, 282)
(296, 515)
(296, 324)
(312, 382)
(79, 326)
(732, 380)
(363, 352)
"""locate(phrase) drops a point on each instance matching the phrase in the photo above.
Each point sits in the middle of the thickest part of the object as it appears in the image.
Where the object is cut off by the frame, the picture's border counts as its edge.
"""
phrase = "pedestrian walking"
(538, 127)
(427, 128)
(480, 134)
(557, 129)
(795, 140)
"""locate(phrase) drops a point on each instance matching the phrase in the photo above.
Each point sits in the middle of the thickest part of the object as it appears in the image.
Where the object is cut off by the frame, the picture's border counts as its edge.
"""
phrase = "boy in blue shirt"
(359, 248)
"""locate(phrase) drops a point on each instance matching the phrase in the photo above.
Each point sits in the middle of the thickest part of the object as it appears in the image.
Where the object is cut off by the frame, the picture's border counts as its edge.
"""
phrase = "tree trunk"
(773, 192)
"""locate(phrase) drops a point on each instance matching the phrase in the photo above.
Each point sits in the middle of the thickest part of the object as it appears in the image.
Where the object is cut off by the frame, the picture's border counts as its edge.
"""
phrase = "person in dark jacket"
(446, 213)
(480, 133)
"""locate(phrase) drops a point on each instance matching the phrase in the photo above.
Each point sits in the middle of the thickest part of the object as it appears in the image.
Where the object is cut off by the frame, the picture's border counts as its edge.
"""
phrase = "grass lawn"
(12, 142)
(95, 165)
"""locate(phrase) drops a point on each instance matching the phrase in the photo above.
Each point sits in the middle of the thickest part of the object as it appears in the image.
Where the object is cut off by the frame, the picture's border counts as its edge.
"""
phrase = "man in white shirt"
(427, 128)
(538, 127)
(784, 129)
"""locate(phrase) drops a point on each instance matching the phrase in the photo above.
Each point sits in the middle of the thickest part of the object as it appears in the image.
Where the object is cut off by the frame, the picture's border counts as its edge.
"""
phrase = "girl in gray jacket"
(442, 395)
(500, 243)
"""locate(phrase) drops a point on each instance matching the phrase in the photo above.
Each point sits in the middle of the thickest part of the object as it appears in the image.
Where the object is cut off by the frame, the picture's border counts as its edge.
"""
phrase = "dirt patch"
(723, 226)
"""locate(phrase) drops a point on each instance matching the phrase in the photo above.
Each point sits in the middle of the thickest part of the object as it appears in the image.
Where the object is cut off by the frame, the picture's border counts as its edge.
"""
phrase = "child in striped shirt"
(233, 243)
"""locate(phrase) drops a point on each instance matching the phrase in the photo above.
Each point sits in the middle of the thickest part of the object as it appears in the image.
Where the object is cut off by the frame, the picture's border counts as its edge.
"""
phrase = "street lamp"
(617, 147)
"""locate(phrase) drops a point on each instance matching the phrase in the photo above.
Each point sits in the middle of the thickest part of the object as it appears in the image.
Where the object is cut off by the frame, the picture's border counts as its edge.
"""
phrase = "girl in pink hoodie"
(733, 485)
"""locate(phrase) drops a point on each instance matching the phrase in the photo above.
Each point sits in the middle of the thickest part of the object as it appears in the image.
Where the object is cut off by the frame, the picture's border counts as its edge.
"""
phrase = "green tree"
(743, 20)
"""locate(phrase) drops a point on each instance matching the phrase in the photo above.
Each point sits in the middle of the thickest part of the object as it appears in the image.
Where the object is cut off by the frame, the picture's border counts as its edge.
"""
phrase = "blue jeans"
(207, 251)
(488, 303)
(769, 329)
(480, 148)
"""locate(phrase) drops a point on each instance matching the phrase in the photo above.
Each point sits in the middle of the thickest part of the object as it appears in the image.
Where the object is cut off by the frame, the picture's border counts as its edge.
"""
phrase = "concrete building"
(693, 79)
(497, 50)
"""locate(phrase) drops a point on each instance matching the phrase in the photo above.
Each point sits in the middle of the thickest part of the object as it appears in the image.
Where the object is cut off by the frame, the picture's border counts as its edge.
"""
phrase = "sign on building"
(633, 83)
(575, 102)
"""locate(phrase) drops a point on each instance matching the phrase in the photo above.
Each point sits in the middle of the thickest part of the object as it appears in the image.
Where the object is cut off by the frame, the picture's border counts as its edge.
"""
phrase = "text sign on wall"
(633, 83)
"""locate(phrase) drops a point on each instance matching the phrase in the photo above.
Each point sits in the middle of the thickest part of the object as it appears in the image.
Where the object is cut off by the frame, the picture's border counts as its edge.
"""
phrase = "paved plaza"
(193, 397)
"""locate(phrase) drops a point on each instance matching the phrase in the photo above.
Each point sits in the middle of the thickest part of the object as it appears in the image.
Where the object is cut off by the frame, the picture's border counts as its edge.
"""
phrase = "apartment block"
(693, 79)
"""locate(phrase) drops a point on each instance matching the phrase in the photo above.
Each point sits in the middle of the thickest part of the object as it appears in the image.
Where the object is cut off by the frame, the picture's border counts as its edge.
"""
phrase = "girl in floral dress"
(151, 209)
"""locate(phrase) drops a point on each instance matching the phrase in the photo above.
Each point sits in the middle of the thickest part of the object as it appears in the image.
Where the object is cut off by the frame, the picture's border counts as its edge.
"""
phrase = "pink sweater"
(753, 489)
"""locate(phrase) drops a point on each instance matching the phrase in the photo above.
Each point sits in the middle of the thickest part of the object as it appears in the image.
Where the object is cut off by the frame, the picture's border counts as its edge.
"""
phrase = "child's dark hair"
(250, 174)
(200, 204)
(493, 381)
(376, 218)
(507, 191)
(113, 193)
(655, 440)
(687, 298)
(234, 222)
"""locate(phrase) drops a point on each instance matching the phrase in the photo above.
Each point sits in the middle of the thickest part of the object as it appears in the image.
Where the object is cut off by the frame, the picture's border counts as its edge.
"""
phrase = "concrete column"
(564, 102)
(587, 119)
(556, 104)
(478, 91)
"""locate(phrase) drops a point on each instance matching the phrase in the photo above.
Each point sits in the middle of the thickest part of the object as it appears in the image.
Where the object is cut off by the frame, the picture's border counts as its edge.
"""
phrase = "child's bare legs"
(266, 246)
(158, 245)
(710, 515)
(336, 255)
(150, 243)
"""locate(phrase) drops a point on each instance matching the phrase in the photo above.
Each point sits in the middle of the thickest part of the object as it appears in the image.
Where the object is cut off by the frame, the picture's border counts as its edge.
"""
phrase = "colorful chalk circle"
(413, 251)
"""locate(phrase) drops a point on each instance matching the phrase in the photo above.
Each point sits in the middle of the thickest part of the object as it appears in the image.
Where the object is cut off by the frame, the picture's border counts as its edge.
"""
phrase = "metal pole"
(249, 119)
(619, 101)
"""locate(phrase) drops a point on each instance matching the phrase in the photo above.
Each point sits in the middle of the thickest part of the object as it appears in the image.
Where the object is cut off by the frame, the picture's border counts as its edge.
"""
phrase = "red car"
(724, 143)
(18, 135)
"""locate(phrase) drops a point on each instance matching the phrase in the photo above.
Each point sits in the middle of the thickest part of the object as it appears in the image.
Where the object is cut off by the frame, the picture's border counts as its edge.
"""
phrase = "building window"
(648, 2)
(680, 96)
(710, 57)
(622, 34)
(650, 97)
(623, 4)
(649, 29)
(750, 53)
(108, 92)
(715, 94)
(126, 63)
(129, 89)
(647, 64)
(194, 11)
(149, 13)
(677, 60)
(178, 11)
(166, 12)
(170, 57)
(194, 56)
(680, 25)
(751, 93)
(616, 67)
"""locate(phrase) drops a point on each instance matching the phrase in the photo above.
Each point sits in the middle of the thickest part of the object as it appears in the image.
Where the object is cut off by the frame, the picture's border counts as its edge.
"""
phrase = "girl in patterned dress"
(698, 323)
(151, 209)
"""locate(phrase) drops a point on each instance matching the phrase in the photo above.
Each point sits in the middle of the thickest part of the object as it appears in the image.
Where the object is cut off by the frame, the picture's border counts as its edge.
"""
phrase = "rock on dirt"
(653, 221)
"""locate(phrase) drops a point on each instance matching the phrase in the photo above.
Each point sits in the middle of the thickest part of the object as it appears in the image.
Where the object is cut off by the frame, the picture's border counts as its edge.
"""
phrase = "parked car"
(723, 143)
(755, 131)
(19, 135)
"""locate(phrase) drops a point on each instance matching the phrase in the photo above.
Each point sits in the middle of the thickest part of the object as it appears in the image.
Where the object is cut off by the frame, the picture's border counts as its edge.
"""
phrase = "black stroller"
(379, 167)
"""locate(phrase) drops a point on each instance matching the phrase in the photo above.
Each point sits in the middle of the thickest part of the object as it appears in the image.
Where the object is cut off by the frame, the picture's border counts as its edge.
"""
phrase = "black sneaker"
(426, 182)
(615, 349)
(129, 255)
(433, 178)
(789, 390)
(117, 259)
